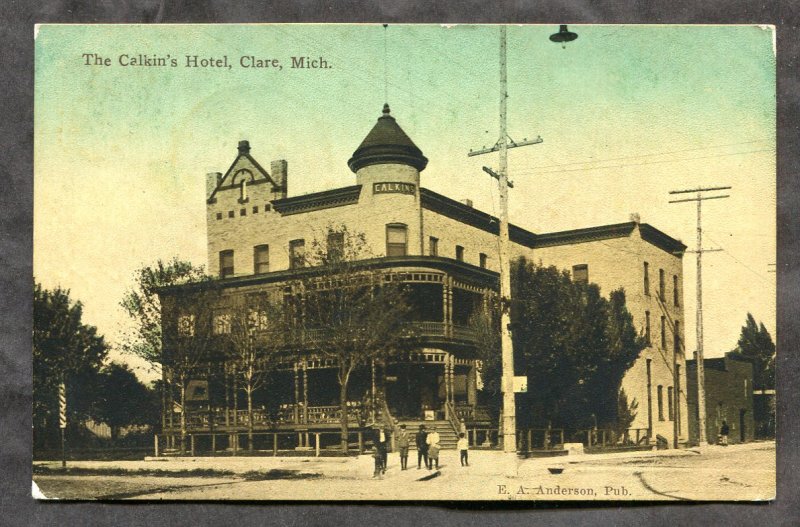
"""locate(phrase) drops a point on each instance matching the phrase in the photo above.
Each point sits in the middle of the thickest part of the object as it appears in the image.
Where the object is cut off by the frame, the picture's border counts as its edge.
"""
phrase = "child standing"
(463, 447)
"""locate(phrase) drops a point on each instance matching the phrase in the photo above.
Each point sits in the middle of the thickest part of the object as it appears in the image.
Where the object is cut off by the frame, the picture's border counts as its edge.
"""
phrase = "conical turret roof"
(387, 143)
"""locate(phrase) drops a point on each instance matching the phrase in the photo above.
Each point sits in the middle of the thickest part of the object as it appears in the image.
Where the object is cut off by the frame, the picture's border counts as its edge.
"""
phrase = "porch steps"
(447, 436)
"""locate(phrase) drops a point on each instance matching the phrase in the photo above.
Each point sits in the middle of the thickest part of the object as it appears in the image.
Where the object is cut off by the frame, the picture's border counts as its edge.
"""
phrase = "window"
(647, 327)
(335, 245)
(222, 324)
(297, 253)
(670, 407)
(660, 396)
(483, 259)
(267, 207)
(219, 215)
(243, 192)
(225, 263)
(242, 212)
(261, 259)
(186, 325)
(231, 214)
(433, 246)
(675, 296)
(676, 337)
(663, 332)
(396, 239)
(459, 253)
(580, 274)
(661, 288)
(646, 278)
(255, 209)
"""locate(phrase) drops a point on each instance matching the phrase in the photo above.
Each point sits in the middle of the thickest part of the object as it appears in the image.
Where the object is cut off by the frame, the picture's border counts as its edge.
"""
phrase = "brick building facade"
(448, 251)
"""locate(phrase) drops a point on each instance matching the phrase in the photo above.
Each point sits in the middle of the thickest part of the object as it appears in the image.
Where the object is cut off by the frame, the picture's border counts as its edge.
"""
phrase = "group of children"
(427, 449)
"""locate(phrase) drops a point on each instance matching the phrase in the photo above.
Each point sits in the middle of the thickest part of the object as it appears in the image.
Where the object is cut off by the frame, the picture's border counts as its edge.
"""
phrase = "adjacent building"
(446, 251)
(729, 398)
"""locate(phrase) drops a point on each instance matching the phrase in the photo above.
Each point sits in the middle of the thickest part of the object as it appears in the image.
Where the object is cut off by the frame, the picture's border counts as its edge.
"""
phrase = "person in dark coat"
(422, 447)
(379, 440)
(723, 433)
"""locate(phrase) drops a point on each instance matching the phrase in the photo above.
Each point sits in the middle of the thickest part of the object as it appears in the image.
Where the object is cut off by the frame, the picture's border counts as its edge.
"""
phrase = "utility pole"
(509, 431)
(701, 388)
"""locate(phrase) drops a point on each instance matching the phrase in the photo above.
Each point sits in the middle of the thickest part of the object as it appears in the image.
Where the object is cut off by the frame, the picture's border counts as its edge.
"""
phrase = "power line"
(589, 169)
(644, 155)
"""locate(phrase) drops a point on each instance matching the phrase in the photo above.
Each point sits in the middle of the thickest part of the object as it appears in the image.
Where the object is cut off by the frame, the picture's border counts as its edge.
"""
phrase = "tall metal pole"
(702, 438)
(506, 345)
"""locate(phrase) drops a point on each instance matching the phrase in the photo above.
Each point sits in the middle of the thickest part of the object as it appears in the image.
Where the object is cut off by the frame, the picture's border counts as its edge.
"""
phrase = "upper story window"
(396, 239)
(646, 278)
(186, 325)
(675, 296)
(335, 245)
(661, 286)
(676, 337)
(663, 332)
(647, 327)
(226, 263)
(297, 253)
(483, 259)
(459, 253)
(222, 324)
(261, 259)
(433, 246)
(660, 396)
(580, 273)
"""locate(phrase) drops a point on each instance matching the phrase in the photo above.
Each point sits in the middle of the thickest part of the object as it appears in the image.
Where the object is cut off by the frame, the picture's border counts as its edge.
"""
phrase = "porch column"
(296, 412)
(227, 395)
(447, 387)
(235, 397)
(373, 404)
(305, 392)
(447, 304)
(472, 385)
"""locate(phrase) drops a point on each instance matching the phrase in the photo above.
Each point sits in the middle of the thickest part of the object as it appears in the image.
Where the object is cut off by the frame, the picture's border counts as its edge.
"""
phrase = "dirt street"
(738, 472)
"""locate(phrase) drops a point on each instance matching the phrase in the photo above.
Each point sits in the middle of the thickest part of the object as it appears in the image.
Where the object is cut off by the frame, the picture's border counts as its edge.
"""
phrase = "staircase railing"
(452, 418)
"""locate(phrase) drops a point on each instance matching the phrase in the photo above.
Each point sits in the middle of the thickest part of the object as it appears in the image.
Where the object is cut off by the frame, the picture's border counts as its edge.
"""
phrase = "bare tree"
(347, 309)
(256, 344)
(193, 325)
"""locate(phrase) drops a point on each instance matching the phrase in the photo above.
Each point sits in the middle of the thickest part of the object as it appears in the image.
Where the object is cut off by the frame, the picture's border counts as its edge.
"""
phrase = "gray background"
(16, 206)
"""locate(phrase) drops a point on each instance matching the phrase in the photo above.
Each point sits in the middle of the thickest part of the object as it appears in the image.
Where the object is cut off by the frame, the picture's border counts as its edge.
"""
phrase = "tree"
(194, 328)
(64, 350)
(143, 305)
(573, 344)
(256, 344)
(345, 310)
(755, 343)
(122, 400)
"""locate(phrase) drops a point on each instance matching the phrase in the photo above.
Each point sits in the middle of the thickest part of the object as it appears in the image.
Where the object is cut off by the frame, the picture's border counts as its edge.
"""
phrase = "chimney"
(279, 175)
(213, 180)
(244, 147)
(635, 217)
(467, 202)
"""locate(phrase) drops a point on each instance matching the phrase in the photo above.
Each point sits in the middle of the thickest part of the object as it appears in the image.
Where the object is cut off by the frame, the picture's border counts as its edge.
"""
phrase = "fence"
(483, 437)
(603, 437)
(264, 443)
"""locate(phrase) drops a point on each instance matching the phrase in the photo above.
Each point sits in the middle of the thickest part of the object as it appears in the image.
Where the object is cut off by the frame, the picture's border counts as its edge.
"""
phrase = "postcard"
(404, 262)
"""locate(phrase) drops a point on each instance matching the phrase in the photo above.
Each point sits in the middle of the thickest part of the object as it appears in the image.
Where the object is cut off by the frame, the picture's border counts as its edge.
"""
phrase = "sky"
(626, 113)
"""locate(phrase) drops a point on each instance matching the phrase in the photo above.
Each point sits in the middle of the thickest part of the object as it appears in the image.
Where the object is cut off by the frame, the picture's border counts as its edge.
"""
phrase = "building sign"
(394, 188)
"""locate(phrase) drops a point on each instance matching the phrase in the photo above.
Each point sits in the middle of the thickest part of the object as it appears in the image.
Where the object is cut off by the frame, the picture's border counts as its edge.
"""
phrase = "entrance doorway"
(411, 389)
